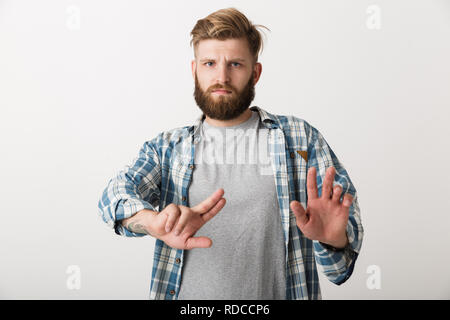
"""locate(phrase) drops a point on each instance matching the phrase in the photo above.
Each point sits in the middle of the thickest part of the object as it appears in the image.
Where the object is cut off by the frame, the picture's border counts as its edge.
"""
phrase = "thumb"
(198, 242)
(300, 213)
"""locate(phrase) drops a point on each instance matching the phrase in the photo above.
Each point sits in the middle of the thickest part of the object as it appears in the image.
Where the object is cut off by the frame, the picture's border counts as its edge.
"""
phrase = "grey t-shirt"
(247, 257)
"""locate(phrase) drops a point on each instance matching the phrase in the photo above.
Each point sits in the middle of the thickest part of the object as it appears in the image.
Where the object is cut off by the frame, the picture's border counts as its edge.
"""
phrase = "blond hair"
(225, 24)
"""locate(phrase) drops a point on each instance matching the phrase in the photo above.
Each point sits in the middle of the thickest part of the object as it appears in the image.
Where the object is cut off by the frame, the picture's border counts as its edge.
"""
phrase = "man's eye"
(237, 64)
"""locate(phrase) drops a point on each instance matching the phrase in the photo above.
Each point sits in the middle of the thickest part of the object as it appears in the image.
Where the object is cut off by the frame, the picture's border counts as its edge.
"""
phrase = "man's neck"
(233, 122)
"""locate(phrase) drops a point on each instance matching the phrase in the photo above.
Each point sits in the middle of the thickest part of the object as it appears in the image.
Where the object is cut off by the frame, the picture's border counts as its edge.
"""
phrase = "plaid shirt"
(161, 175)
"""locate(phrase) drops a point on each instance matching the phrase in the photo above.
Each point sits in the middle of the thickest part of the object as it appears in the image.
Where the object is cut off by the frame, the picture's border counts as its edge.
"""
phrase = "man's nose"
(222, 73)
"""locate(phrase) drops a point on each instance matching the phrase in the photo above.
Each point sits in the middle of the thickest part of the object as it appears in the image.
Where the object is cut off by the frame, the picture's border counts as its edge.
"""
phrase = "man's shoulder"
(165, 143)
(298, 132)
(170, 136)
(293, 124)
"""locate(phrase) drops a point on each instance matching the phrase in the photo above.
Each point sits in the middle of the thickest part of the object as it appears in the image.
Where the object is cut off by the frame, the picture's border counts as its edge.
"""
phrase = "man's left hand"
(325, 219)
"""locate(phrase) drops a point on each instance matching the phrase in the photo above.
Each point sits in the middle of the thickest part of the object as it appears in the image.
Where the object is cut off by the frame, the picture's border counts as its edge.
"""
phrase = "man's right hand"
(176, 225)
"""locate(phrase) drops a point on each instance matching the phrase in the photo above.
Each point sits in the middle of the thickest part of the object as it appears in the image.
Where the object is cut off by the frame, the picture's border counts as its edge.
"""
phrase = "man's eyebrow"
(211, 59)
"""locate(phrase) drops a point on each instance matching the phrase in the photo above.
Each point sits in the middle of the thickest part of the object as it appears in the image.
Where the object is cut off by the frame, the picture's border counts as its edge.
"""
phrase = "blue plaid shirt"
(161, 175)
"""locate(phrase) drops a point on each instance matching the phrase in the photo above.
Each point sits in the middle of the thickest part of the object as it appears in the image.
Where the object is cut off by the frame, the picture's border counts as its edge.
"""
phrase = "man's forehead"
(209, 58)
(232, 48)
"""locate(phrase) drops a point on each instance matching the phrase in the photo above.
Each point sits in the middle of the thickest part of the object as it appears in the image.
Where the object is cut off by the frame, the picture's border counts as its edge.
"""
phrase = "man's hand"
(176, 225)
(325, 218)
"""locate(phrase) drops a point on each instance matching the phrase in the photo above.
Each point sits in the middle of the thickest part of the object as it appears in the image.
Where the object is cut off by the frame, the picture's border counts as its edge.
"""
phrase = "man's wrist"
(336, 246)
(330, 247)
(140, 222)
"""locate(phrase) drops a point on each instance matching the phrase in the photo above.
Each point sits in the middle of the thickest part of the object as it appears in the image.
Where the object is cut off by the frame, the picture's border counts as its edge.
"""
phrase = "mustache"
(220, 87)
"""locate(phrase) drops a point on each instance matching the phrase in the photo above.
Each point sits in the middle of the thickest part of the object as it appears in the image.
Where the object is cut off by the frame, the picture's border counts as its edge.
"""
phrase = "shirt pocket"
(297, 165)
(173, 171)
(173, 162)
(297, 159)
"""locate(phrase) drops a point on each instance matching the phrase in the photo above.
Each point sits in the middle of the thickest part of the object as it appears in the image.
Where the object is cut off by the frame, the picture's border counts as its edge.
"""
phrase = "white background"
(83, 84)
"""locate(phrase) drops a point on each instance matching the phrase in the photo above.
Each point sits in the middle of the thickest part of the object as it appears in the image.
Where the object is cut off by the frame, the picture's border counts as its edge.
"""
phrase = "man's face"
(226, 65)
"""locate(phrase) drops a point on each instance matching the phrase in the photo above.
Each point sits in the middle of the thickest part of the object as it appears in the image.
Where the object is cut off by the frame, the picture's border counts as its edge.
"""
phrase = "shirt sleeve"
(336, 265)
(134, 188)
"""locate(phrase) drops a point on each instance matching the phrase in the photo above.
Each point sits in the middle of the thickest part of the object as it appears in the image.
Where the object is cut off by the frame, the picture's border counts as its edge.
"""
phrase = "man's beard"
(224, 107)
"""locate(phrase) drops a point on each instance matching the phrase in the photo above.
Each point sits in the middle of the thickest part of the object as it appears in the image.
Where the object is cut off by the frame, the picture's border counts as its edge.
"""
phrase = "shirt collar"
(269, 120)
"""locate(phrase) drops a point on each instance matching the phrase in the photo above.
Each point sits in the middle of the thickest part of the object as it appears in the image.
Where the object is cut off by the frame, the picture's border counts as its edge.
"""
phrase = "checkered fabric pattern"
(161, 174)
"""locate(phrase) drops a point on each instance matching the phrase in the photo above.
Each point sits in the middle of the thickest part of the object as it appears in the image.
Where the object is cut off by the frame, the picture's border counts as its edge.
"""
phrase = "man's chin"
(220, 116)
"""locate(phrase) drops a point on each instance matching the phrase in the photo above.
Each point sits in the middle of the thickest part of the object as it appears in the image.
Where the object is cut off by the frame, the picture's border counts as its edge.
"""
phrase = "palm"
(326, 217)
(326, 220)
(182, 241)
(188, 222)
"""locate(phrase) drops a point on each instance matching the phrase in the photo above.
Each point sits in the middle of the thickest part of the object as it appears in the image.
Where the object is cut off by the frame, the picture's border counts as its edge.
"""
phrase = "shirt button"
(292, 155)
(191, 166)
(183, 198)
(177, 260)
(172, 292)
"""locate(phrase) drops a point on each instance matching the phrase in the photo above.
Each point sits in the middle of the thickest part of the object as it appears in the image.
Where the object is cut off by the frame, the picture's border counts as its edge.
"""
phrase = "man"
(260, 242)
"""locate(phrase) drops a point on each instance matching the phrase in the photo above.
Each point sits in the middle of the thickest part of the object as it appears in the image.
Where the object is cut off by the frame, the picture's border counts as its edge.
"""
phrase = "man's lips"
(221, 91)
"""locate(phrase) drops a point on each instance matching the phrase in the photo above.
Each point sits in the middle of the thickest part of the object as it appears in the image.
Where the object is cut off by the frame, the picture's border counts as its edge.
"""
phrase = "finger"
(198, 242)
(347, 200)
(328, 183)
(185, 215)
(300, 213)
(172, 216)
(311, 183)
(337, 190)
(210, 202)
(164, 214)
(211, 213)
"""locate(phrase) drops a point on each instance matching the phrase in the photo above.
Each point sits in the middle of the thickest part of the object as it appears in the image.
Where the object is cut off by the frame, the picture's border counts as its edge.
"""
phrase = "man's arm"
(128, 205)
(140, 222)
(176, 225)
(337, 265)
(133, 189)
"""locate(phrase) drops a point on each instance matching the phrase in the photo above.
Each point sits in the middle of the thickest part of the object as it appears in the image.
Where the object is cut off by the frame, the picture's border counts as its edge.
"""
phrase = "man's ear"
(193, 66)
(257, 69)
